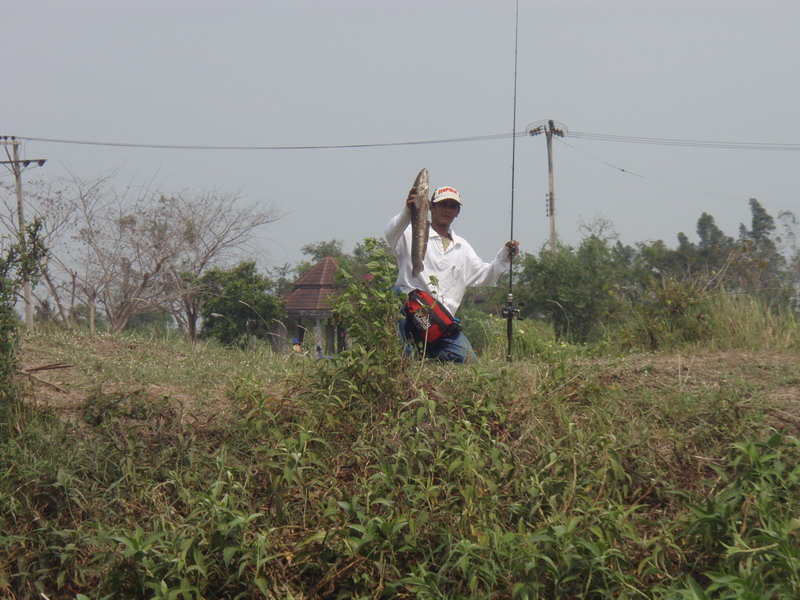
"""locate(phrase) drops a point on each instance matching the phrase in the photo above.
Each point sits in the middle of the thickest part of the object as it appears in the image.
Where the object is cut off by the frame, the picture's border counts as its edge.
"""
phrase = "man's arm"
(484, 274)
(400, 222)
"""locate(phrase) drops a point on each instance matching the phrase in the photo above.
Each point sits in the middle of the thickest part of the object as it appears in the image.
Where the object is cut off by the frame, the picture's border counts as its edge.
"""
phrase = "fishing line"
(509, 312)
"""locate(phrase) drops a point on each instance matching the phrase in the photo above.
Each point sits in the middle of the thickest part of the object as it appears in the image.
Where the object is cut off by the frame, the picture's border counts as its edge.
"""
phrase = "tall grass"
(745, 322)
(707, 321)
(530, 337)
(718, 321)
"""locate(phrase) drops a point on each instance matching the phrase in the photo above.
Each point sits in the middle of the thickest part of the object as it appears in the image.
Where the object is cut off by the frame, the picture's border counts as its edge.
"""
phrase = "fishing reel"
(510, 311)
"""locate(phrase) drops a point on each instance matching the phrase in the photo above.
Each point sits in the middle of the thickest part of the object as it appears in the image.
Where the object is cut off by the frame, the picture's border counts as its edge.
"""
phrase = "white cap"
(445, 193)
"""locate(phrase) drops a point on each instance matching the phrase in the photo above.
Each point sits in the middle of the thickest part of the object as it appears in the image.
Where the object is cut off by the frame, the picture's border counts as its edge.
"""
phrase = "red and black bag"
(427, 320)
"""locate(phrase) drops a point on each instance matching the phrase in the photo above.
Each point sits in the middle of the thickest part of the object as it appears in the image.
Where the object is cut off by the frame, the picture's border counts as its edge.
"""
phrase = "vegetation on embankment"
(158, 469)
(151, 468)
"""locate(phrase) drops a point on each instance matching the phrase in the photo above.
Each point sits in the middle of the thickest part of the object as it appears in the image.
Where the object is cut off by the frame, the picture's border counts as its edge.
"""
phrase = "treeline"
(117, 259)
(647, 291)
(645, 296)
(139, 258)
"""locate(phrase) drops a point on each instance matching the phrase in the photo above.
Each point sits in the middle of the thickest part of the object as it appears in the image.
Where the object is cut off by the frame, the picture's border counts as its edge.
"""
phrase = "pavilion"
(308, 307)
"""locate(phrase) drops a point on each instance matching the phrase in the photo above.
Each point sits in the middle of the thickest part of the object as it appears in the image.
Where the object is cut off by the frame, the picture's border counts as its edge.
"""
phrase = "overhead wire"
(647, 178)
(578, 135)
(730, 145)
(474, 138)
(627, 139)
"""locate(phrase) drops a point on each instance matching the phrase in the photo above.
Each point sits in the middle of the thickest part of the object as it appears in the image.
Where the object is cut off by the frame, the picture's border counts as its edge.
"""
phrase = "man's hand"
(412, 197)
(513, 248)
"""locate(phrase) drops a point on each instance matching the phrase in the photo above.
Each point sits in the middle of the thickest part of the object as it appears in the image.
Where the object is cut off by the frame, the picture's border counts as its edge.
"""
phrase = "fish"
(420, 223)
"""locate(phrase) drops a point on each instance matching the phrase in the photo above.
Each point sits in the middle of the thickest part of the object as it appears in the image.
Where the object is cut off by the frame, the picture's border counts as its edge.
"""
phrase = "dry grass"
(202, 378)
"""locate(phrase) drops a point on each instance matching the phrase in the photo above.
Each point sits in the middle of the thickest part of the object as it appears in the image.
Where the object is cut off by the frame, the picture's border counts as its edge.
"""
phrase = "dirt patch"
(770, 376)
(63, 373)
(83, 367)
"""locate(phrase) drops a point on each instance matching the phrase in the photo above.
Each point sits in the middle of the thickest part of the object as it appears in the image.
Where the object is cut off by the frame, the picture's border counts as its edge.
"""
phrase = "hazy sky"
(314, 73)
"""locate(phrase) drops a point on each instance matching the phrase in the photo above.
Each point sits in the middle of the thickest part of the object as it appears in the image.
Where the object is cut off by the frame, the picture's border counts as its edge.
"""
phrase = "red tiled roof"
(321, 274)
(311, 294)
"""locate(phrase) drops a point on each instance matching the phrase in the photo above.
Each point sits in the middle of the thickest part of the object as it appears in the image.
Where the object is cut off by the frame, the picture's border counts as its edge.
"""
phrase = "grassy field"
(145, 468)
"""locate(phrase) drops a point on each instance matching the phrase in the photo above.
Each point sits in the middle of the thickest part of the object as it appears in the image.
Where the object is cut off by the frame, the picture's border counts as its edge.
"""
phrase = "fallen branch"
(46, 367)
(42, 381)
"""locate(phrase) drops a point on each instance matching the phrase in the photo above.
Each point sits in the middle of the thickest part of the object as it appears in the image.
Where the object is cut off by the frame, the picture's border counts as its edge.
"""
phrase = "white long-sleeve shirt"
(455, 269)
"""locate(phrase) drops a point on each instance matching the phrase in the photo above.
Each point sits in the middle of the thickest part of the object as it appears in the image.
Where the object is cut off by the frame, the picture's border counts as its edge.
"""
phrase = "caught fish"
(419, 223)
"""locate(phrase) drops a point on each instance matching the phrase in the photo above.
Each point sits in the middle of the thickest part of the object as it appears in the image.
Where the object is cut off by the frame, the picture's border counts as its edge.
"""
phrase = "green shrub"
(20, 261)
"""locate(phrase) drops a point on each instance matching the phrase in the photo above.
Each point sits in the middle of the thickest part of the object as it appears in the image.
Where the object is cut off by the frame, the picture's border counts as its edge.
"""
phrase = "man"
(451, 265)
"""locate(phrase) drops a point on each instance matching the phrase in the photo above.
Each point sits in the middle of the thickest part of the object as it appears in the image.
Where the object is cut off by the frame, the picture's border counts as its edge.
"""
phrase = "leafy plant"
(368, 307)
(20, 262)
(747, 534)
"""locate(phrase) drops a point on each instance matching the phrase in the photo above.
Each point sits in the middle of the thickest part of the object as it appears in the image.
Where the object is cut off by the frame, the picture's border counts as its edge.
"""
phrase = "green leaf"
(228, 554)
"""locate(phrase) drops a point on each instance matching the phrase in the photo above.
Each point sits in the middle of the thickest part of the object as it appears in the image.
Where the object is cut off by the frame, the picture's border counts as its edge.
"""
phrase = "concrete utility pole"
(17, 166)
(550, 130)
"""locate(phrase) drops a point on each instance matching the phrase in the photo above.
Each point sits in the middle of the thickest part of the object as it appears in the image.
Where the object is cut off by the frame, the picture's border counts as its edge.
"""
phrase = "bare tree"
(136, 251)
(214, 228)
(139, 246)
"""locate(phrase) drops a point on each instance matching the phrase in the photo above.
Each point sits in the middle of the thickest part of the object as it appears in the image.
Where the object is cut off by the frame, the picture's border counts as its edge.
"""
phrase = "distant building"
(308, 307)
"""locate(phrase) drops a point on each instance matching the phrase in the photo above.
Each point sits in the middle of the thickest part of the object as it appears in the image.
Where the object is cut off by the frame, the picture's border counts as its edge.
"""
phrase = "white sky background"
(313, 72)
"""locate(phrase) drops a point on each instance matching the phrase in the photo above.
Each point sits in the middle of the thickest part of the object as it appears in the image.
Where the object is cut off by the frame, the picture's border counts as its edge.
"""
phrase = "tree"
(214, 229)
(761, 268)
(281, 279)
(56, 214)
(715, 249)
(711, 236)
(363, 252)
(354, 263)
(236, 304)
(97, 255)
(791, 251)
(137, 251)
(316, 251)
(578, 290)
(762, 226)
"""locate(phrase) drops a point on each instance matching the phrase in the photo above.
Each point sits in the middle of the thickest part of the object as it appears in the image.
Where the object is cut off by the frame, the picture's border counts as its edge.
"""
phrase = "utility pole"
(550, 130)
(17, 167)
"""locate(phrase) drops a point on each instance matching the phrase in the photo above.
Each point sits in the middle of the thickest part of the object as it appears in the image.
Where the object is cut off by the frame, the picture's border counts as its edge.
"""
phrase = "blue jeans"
(457, 348)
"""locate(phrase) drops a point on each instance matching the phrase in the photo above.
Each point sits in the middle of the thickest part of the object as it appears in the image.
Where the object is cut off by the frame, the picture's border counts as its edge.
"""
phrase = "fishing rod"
(509, 310)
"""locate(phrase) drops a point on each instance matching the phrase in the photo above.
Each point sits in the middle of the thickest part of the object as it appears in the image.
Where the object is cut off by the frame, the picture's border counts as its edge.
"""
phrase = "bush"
(20, 261)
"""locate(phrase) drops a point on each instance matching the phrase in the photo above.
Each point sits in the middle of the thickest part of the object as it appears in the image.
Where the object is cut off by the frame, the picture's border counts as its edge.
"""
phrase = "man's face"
(443, 213)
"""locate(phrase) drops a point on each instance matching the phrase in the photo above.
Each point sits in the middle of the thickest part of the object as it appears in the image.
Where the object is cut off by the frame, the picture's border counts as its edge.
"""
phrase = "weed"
(746, 535)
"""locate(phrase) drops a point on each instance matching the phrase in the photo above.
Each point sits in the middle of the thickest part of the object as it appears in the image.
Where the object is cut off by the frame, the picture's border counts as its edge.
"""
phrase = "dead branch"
(28, 370)
(42, 381)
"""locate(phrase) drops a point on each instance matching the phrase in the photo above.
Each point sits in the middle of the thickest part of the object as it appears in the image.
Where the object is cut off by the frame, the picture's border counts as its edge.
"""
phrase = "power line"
(683, 142)
(670, 183)
(475, 138)
(614, 138)
(645, 177)
(729, 145)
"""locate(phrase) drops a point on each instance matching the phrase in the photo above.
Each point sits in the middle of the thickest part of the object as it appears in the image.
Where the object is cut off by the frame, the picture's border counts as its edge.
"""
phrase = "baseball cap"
(445, 193)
